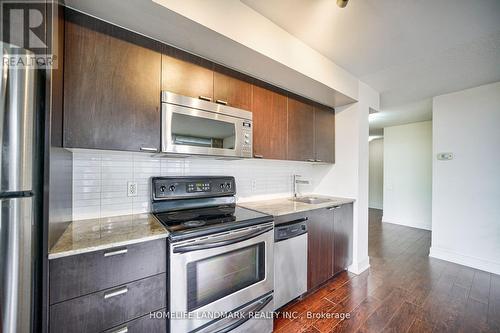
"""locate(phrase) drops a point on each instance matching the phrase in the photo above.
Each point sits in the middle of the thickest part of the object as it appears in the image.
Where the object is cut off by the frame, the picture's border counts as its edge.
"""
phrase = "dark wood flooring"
(403, 291)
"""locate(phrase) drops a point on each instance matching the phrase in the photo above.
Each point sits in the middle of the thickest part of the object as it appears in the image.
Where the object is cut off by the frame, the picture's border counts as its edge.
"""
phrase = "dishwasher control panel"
(290, 229)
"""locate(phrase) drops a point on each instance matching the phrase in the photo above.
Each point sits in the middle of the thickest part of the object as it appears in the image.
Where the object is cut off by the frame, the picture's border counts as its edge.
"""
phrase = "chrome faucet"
(297, 181)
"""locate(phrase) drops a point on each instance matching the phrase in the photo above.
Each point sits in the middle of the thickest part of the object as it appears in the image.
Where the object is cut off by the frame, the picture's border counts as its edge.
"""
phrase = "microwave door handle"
(211, 245)
(253, 309)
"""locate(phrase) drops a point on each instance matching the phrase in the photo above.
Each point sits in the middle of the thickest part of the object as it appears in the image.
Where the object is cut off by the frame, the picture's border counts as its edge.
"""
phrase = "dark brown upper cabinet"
(324, 134)
(269, 124)
(111, 95)
(186, 74)
(231, 89)
(300, 131)
(320, 244)
(111, 87)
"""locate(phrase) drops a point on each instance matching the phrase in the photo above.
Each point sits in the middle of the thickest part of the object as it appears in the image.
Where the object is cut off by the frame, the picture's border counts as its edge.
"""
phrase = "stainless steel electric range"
(221, 256)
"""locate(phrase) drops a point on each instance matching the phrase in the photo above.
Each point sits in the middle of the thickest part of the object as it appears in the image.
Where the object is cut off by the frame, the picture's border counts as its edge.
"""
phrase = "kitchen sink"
(312, 200)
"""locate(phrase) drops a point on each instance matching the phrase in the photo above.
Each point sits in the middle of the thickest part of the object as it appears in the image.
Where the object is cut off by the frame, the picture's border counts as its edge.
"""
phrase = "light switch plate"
(445, 156)
(131, 189)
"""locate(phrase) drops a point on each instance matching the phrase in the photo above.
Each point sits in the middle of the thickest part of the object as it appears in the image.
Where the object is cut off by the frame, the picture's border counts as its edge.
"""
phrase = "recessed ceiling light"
(342, 3)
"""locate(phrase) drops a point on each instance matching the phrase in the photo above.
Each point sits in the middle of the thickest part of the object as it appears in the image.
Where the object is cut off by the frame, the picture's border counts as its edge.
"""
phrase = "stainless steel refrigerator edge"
(18, 102)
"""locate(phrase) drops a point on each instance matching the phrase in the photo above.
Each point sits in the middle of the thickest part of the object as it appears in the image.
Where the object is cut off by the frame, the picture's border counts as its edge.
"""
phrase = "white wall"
(376, 174)
(408, 175)
(466, 190)
(100, 179)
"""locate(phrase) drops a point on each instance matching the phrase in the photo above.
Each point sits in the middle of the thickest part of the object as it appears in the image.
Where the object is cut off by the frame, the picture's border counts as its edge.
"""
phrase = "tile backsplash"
(100, 179)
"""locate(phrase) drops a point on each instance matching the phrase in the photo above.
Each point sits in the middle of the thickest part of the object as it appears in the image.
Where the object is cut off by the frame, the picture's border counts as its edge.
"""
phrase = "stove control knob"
(228, 186)
(163, 188)
(221, 186)
(172, 188)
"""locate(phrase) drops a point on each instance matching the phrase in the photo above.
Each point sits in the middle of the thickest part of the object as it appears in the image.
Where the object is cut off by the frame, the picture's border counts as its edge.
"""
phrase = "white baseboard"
(408, 224)
(466, 260)
(360, 266)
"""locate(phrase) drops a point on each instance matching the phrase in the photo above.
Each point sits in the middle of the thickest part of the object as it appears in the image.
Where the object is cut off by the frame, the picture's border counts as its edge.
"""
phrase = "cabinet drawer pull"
(148, 149)
(205, 98)
(121, 330)
(333, 208)
(258, 156)
(310, 160)
(318, 161)
(220, 101)
(117, 292)
(115, 253)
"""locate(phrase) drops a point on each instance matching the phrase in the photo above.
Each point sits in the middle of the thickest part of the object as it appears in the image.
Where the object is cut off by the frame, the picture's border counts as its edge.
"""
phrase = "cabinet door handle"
(333, 208)
(148, 149)
(115, 253)
(121, 330)
(258, 156)
(117, 292)
(220, 101)
(205, 98)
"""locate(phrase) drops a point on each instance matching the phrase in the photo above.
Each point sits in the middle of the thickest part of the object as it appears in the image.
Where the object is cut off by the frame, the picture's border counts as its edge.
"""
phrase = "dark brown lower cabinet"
(320, 247)
(329, 243)
(342, 230)
(111, 307)
(147, 323)
(86, 273)
(109, 289)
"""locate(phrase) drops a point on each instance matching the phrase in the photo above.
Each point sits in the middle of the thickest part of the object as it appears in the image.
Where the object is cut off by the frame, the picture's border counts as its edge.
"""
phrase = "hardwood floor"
(403, 291)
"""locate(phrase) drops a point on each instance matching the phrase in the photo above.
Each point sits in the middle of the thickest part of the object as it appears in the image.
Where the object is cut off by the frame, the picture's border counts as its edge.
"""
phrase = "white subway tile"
(100, 178)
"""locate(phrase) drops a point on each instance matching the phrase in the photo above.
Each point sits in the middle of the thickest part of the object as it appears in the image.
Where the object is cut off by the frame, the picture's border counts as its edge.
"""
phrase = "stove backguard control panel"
(169, 188)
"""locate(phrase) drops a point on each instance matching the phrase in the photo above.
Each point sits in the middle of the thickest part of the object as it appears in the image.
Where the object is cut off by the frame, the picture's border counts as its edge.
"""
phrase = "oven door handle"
(210, 245)
(256, 308)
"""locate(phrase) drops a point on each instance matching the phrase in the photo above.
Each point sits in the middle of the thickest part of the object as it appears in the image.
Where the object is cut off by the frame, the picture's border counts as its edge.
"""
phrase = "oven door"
(218, 274)
(192, 131)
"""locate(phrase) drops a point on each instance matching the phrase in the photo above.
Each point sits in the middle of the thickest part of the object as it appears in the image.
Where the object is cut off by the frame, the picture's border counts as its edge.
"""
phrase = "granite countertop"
(98, 234)
(285, 206)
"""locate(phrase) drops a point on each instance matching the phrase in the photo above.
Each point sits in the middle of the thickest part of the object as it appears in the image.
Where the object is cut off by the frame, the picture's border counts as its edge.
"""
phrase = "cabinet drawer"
(108, 308)
(82, 274)
(140, 325)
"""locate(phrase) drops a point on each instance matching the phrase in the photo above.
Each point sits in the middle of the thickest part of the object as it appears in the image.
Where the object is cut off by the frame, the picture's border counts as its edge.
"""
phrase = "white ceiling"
(408, 50)
(404, 114)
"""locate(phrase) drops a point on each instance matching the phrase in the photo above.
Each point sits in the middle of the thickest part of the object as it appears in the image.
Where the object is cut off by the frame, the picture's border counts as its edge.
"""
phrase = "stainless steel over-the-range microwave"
(197, 127)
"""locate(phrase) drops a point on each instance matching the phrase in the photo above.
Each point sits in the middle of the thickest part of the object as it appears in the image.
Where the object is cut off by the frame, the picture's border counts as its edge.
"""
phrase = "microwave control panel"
(246, 144)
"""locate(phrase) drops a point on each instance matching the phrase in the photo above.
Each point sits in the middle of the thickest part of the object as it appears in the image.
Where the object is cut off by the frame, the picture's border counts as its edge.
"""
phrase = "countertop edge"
(339, 202)
(89, 249)
(320, 206)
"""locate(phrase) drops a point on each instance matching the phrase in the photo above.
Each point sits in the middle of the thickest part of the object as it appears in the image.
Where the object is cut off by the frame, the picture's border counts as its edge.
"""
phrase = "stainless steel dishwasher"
(290, 261)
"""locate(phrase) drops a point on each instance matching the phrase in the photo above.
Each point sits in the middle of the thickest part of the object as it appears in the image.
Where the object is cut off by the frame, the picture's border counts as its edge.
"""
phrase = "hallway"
(403, 291)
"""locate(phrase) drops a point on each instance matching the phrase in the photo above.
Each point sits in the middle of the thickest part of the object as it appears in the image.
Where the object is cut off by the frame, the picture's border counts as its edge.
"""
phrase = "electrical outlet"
(131, 189)
(254, 185)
